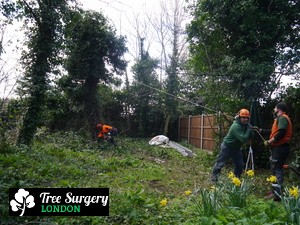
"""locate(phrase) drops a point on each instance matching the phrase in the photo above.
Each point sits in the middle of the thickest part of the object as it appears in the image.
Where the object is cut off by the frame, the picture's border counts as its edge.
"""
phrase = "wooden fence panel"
(195, 132)
(199, 131)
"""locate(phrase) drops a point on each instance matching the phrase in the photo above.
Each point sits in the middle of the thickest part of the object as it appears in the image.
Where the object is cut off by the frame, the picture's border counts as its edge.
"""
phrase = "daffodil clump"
(294, 192)
(163, 202)
(236, 181)
(272, 179)
(291, 203)
(250, 173)
(188, 192)
(208, 202)
(237, 190)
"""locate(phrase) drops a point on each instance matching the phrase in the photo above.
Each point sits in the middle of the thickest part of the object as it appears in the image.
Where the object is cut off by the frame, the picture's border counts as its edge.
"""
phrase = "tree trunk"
(167, 121)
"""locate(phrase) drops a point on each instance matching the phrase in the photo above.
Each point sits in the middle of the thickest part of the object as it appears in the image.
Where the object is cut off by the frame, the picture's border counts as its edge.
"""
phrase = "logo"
(21, 201)
(59, 202)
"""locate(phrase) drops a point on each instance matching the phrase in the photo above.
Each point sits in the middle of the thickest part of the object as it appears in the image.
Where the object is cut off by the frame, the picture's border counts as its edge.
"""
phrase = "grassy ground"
(139, 177)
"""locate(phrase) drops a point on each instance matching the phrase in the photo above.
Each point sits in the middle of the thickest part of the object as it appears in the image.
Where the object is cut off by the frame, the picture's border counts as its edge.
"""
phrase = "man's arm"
(241, 135)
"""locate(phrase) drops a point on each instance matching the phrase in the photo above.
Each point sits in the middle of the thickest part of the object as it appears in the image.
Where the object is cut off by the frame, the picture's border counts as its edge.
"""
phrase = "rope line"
(180, 98)
(189, 101)
(260, 135)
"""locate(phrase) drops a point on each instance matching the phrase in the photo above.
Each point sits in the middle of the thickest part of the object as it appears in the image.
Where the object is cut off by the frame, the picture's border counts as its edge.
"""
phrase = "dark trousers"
(225, 154)
(278, 159)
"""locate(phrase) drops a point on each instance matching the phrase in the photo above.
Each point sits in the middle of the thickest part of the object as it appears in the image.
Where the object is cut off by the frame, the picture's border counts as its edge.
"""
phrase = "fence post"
(201, 132)
(179, 128)
(189, 128)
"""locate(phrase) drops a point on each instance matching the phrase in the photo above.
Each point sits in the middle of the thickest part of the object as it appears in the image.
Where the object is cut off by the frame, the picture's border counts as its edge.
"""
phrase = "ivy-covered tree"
(172, 86)
(94, 55)
(44, 38)
(145, 99)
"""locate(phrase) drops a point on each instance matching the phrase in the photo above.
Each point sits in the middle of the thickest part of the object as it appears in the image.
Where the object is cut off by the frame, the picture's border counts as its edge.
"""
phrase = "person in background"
(239, 133)
(280, 137)
(106, 133)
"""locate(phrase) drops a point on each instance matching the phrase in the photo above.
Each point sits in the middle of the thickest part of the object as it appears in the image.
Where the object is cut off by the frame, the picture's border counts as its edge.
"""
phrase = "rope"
(260, 135)
(189, 101)
(180, 98)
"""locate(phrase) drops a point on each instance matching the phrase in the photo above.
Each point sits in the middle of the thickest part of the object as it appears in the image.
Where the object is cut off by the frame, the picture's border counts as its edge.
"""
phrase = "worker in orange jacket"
(279, 143)
(106, 132)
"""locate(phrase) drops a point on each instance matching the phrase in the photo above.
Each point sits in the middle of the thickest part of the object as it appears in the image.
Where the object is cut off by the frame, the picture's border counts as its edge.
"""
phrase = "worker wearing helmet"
(239, 133)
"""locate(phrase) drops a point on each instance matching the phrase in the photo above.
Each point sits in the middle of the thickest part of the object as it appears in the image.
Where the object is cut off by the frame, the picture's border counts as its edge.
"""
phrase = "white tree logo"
(21, 201)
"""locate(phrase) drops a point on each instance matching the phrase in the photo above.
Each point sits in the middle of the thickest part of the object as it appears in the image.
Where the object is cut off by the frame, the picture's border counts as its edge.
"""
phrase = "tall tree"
(169, 23)
(175, 20)
(145, 98)
(172, 83)
(44, 36)
(240, 44)
(94, 54)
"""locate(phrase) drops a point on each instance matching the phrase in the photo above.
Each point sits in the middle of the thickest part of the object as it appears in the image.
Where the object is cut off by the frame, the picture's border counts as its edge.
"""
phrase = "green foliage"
(94, 54)
(237, 195)
(9, 116)
(139, 177)
(44, 39)
(291, 203)
(236, 46)
(63, 114)
(208, 203)
(146, 102)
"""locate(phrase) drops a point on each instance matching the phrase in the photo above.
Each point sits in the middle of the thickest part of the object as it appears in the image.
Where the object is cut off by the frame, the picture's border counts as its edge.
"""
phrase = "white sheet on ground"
(159, 140)
(164, 141)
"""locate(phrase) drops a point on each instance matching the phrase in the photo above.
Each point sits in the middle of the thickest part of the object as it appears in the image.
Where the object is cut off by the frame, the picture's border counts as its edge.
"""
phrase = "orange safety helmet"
(244, 113)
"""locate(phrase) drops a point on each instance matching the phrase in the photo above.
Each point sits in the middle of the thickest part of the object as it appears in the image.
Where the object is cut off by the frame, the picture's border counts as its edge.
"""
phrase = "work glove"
(255, 128)
(266, 143)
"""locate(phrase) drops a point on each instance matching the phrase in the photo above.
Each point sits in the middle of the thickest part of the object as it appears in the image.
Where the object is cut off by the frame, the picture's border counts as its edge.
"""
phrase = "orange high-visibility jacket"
(105, 130)
(275, 128)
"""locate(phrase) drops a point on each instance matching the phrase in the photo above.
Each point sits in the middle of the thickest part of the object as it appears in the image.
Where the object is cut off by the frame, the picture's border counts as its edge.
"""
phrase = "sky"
(9, 60)
(123, 15)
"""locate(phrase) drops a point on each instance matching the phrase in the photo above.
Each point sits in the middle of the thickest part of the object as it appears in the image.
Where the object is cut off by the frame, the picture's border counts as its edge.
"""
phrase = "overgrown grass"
(139, 177)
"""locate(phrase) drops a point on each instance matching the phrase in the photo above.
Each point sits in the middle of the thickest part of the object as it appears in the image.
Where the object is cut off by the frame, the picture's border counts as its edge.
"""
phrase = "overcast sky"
(123, 14)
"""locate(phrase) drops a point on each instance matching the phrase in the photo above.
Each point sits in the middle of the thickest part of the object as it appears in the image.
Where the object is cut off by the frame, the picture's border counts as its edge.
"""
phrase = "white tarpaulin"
(159, 140)
(164, 141)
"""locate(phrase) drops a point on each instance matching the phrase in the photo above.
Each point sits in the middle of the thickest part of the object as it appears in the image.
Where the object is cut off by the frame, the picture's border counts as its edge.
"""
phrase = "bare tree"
(9, 69)
(169, 27)
(162, 32)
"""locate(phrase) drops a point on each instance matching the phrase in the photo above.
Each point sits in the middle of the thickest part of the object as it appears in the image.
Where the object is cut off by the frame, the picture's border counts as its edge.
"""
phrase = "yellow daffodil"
(272, 179)
(250, 173)
(188, 192)
(294, 192)
(231, 175)
(163, 202)
(236, 181)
